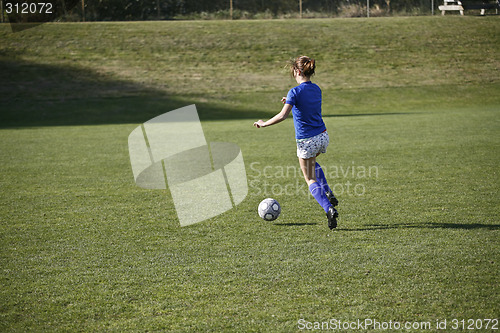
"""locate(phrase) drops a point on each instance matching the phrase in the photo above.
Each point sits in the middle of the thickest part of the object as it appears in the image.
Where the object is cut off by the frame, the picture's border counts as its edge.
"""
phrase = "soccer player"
(304, 101)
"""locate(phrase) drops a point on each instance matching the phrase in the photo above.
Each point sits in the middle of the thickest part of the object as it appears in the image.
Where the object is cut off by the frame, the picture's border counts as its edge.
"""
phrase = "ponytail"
(309, 67)
(304, 65)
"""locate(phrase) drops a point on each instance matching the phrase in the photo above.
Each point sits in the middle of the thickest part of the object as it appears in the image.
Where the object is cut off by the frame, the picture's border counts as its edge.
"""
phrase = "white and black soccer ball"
(269, 209)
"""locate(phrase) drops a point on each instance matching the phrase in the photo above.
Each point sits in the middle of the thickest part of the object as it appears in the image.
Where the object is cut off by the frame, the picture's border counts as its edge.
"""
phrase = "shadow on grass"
(463, 226)
(294, 224)
(368, 114)
(33, 94)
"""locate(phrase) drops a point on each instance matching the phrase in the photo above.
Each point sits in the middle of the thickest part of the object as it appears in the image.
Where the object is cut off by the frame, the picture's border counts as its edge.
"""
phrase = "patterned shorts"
(310, 147)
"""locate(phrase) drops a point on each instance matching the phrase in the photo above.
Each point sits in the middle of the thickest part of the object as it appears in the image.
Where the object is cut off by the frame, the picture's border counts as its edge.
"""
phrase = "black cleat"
(332, 199)
(332, 218)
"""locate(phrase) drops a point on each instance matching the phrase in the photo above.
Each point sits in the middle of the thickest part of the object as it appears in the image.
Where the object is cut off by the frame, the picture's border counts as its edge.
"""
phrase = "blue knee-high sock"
(321, 179)
(320, 196)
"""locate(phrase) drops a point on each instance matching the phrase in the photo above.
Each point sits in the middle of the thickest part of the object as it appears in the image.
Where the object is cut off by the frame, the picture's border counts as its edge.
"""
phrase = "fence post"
(367, 8)
(83, 10)
(1, 9)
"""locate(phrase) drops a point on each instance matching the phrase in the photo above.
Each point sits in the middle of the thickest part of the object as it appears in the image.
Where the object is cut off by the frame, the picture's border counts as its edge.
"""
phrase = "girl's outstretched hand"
(259, 123)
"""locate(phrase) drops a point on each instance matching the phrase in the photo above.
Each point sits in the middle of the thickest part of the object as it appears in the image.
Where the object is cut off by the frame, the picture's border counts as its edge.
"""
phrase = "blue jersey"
(306, 111)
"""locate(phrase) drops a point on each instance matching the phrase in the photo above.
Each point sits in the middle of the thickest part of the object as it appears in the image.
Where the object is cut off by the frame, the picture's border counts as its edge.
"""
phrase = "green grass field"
(412, 106)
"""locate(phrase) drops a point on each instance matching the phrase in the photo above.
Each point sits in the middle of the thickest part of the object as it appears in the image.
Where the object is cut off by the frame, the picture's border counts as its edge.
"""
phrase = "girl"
(304, 101)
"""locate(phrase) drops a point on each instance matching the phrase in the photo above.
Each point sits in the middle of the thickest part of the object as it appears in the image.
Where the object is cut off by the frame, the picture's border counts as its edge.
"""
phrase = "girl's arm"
(285, 111)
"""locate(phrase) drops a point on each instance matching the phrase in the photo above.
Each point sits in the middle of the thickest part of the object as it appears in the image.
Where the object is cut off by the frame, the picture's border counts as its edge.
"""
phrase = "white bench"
(450, 5)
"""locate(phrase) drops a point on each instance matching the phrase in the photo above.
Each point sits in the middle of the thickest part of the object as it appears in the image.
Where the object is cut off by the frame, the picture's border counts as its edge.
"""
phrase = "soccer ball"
(269, 209)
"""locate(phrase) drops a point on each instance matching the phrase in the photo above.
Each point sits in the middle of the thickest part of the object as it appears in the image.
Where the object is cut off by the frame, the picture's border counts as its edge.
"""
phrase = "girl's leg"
(308, 167)
(321, 179)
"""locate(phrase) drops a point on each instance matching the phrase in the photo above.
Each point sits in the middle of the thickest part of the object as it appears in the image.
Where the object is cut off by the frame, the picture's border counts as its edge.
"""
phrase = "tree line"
(170, 9)
(123, 10)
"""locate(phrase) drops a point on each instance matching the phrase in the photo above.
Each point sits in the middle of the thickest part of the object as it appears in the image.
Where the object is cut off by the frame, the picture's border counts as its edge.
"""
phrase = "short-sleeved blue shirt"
(306, 101)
